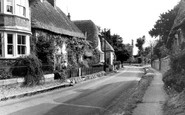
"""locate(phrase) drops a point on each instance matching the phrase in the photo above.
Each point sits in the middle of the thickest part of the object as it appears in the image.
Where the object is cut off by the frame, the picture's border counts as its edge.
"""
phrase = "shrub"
(117, 62)
(30, 68)
(175, 77)
(177, 62)
(60, 75)
(175, 81)
(44, 51)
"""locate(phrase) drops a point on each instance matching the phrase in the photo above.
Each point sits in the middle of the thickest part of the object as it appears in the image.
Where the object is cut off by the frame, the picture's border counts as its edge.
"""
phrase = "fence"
(83, 71)
(6, 72)
(165, 64)
(91, 70)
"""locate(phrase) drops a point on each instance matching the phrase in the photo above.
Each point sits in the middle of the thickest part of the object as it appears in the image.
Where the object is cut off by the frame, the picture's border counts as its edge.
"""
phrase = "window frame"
(11, 6)
(22, 45)
(1, 44)
(13, 52)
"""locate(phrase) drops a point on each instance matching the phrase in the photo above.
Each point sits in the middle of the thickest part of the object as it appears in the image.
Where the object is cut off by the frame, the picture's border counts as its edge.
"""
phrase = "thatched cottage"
(49, 21)
(93, 36)
(109, 51)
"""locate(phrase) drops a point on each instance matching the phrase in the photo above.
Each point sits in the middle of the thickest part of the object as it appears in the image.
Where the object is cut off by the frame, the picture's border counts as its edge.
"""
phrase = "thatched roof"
(106, 47)
(90, 30)
(45, 16)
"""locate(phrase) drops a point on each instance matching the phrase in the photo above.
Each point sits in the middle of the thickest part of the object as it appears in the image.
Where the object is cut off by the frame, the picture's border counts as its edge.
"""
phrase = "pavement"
(153, 99)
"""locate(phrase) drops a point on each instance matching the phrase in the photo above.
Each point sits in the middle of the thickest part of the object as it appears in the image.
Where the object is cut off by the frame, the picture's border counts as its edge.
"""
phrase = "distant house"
(92, 35)
(109, 51)
(49, 21)
(15, 29)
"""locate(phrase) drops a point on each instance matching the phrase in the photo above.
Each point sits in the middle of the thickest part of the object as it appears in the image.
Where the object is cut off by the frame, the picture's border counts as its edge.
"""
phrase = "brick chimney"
(52, 2)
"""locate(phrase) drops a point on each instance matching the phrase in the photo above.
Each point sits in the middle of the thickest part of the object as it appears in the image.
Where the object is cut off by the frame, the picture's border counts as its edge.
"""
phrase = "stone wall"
(165, 64)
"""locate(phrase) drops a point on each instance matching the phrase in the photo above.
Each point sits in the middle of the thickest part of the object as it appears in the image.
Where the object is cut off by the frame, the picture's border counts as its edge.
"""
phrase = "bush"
(175, 81)
(60, 75)
(30, 68)
(117, 62)
(175, 77)
(44, 51)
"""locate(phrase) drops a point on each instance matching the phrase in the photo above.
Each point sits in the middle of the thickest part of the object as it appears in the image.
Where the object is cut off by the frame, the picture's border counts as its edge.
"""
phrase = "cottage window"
(21, 7)
(21, 44)
(10, 44)
(9, 6)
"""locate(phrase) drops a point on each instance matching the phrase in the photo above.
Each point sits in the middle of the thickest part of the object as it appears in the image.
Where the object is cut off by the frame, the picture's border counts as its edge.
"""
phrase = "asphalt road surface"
(93, 97)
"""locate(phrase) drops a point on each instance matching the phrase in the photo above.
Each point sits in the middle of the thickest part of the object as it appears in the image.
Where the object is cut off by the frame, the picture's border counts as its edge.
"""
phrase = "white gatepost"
(80, 72)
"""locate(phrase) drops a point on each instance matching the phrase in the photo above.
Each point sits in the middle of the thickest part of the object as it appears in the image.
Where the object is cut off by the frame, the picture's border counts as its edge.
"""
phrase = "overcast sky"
(130, 19)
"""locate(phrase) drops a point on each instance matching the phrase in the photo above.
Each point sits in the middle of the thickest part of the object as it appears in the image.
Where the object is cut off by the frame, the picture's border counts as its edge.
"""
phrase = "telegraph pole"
(104, 54)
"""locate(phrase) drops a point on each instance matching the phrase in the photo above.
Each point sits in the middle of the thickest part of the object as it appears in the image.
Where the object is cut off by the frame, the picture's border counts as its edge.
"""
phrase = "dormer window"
(9, 6)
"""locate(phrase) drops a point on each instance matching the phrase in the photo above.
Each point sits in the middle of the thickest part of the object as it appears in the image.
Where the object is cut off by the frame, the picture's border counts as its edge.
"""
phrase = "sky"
(130, 19)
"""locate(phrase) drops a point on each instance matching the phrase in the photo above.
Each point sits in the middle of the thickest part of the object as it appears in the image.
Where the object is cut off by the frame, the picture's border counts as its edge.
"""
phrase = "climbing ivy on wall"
(46, 43)
(76, 48)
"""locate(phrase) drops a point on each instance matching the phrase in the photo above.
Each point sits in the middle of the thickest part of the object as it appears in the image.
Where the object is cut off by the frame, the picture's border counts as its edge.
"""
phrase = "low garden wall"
(87, 77)
(48, 77)
(165, 64)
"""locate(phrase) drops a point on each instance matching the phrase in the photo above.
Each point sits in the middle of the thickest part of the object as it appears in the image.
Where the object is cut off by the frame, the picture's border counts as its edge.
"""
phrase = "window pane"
(10, 49)
(24, 11)
(19, 39)
(0, 44)
(10, 38)
(24, 40)
(19, 49)
(0, 38)
(9, 9)
(23, 49)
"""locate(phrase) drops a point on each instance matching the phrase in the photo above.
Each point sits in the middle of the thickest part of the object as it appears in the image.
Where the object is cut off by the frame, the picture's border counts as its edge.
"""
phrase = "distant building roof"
(45, 16)
(106, 46)
(90, 30)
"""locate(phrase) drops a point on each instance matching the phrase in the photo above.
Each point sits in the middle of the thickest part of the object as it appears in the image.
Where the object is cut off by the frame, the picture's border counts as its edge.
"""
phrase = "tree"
(139, 44)
(146, 51)
(160, 51)
(164, 24)
(116, 41)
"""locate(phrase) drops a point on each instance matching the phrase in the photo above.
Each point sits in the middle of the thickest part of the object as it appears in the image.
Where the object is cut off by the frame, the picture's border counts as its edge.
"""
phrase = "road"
(91, 97)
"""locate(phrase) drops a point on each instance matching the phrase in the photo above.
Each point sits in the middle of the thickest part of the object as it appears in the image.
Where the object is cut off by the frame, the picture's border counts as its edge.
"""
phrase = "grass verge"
(126, 106)
(175, 104)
